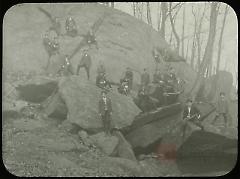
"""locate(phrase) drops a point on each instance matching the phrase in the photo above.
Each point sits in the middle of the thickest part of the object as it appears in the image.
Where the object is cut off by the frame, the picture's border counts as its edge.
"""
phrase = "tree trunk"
(193, 45)
(186, 57)
(164, 10)
(194, 40)
(183, 26)
(220, 39)
(208, 50)
(211, 37)
(158, 17)
(142, 5)
(193, 53)
(198, 38)
(134, 9)
(173, 28)
(170, 40)
(149, 18)
(210, 66)
(112, 4)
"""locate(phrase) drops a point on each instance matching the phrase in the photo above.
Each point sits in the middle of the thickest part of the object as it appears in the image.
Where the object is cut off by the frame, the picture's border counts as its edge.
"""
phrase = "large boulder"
(37, 89)
(81, 98)
(54, 106)
(205, 152)
(151, 134)
(123, 40)
(148, 117)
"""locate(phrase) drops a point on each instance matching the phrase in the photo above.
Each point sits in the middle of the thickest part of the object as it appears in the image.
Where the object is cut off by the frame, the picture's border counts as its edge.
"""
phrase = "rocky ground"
(35, 145)
(41, 147)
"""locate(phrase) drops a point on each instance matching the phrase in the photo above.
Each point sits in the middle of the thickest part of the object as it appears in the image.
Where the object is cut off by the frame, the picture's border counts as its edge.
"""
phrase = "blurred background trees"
(201, 32)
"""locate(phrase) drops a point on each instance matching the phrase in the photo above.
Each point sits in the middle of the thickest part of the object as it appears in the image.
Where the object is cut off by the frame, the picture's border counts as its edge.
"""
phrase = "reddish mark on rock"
(166, 152)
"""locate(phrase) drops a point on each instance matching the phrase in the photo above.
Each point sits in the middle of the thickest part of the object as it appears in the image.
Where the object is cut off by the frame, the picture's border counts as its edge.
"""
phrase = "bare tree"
(173, 26)
(164, 9)
(158, 17)
(134, 8)
(183, 26)
(170, 40)
(194, 38)
(137, 9)
(209, 48)
(198, 39)
(149, 18)
(187, 49)
(220, 39)
(141, 10)
(112, 4)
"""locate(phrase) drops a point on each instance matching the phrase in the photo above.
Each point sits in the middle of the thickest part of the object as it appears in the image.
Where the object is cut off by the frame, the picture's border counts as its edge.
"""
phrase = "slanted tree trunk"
(149, 18)
(208, 50)
(170, 40)
(220, 39)
(164, 10)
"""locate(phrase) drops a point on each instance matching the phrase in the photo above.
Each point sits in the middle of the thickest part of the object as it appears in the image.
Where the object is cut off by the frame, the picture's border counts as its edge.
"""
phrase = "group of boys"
(165, 82)
(52, 46)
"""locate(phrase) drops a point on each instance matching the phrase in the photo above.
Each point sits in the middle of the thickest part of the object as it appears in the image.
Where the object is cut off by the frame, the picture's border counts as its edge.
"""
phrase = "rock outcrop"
(105, 142)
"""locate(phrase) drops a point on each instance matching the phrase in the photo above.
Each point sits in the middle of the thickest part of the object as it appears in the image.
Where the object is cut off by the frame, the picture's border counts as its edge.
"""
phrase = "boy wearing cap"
(191, 114)
(71, 27)
(105, 111)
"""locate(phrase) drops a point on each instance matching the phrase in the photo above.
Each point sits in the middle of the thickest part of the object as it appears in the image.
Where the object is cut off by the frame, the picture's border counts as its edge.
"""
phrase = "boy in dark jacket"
(85, 63)
(191, 114)
(145, 78)
(105, 111)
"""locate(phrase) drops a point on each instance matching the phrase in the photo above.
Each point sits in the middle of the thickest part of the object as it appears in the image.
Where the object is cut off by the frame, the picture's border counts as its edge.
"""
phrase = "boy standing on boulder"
(105, 111)
(145, 78)
(71, 27)
(221, 109)
(85, 63)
